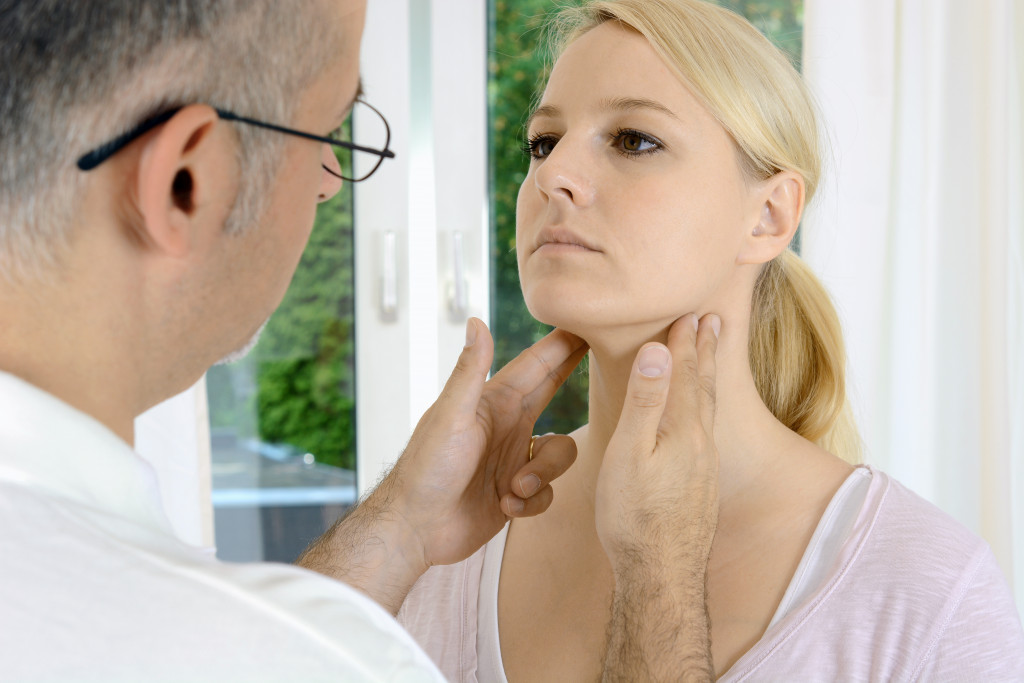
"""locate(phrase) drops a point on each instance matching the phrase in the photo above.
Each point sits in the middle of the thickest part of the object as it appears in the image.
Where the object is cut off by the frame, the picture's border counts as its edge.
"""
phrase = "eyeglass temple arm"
(91, 160)
(230, 116)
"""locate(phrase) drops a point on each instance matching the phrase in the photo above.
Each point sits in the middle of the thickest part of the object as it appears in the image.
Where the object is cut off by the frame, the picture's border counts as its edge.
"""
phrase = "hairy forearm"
(371, 549)
(659, 629)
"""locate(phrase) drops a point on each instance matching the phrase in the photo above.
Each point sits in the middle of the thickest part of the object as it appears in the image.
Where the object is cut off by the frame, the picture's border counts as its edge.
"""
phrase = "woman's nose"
(566, 174)
(330, 182)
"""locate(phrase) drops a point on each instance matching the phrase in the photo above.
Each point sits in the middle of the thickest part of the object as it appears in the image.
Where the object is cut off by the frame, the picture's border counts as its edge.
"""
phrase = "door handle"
(458, 295)
(389, 276)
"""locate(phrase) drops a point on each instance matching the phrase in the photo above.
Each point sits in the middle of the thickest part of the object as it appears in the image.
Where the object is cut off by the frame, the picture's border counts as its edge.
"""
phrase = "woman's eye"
(635, 142)
(540, 146)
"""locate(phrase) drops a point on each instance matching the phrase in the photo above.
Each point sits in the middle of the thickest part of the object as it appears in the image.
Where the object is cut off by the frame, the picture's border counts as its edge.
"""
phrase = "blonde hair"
(796, 346)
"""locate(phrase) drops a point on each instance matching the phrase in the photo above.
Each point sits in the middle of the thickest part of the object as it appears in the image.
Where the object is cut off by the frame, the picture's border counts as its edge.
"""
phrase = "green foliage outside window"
(517, 70)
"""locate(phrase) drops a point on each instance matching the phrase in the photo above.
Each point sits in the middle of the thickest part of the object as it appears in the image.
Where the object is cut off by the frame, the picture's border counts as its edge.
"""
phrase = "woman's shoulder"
(909, 540)
(926, 574)
(914, 538)
(912, 593)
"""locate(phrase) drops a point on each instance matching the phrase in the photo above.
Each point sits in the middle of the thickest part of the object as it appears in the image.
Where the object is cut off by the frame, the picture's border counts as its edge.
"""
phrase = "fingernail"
(470, 333)
(515, 506)
(716, 325)
(696, 321)
(529, 484)
(652, 361)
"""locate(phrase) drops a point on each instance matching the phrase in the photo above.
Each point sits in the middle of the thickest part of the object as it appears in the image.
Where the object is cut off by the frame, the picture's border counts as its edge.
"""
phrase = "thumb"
(637, 431)
(463, 388)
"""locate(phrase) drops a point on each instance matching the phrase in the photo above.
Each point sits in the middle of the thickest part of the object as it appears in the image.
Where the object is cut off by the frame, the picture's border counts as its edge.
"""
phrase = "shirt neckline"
(51, 447)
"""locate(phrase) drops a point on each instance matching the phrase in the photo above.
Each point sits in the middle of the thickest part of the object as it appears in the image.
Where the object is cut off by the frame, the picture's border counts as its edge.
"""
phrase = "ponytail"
(797, 356)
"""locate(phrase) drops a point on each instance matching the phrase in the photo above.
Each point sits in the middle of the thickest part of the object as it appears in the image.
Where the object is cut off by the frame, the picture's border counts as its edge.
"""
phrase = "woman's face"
(635, 208)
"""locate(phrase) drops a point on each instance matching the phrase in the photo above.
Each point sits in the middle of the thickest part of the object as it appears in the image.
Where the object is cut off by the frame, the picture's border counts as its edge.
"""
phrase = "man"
(147, 232)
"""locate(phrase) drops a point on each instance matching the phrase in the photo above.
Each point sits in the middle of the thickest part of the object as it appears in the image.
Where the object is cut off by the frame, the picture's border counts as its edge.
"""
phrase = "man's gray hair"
(77, 73)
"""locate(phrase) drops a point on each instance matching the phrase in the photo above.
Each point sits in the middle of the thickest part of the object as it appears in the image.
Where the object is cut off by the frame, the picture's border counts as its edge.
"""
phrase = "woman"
(673, 152)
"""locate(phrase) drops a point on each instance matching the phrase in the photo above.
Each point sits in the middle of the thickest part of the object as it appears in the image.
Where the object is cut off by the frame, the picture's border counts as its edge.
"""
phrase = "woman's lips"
(562, 241)
(563, 247)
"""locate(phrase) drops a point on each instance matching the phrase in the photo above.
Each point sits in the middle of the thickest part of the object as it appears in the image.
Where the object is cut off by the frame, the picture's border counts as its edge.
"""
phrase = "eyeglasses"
(97, 156)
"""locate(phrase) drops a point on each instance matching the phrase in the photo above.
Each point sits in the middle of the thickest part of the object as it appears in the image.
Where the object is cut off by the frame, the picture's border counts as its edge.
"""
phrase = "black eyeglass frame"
(97, 156)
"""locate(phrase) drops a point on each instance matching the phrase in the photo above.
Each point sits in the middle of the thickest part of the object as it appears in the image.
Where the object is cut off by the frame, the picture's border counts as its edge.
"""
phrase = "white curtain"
(919, 234)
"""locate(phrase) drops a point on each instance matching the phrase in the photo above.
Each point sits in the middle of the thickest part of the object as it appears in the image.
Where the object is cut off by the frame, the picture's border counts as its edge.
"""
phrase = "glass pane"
(515, 74)
(283, 418)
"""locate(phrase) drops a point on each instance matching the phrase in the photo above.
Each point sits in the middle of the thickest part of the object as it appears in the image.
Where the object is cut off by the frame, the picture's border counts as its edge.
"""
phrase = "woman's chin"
(603, 333)
(570, 321)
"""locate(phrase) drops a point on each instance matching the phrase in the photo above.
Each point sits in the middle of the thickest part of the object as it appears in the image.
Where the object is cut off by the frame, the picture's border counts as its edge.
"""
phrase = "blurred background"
(918, 232)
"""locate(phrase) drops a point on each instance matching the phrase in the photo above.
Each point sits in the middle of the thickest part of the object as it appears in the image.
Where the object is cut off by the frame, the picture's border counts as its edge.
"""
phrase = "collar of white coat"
(47, 445)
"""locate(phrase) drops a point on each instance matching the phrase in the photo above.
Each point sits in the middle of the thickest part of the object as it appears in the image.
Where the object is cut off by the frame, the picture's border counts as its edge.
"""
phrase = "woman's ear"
(779, 203)
(185, 182)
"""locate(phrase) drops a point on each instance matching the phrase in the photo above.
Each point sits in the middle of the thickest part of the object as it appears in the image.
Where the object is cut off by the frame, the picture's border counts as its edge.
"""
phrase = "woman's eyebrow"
(548, 110)
(616, 103)
(631, 103)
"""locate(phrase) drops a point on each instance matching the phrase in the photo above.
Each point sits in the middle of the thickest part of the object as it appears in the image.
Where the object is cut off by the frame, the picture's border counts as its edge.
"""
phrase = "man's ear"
(181, 168)
(779, 204)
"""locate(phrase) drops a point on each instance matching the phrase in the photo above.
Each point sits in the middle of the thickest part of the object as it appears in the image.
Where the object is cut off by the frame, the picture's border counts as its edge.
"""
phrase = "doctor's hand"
(657, 508)
(465, 472)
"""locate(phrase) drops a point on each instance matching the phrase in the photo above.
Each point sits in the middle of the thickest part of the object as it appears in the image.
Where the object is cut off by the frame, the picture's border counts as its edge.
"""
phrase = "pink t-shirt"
(889, 589)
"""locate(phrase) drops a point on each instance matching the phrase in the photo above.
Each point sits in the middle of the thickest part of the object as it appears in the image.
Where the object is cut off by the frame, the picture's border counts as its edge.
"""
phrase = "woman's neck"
(745, 431)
